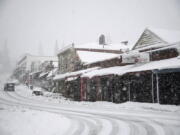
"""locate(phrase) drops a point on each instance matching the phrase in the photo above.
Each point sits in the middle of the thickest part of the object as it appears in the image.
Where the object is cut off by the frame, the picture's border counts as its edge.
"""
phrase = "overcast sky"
(27, 23)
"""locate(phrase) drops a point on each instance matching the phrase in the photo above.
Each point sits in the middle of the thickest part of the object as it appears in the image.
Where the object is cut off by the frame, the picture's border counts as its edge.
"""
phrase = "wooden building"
(140, 75)
(76, 57)
(139, 83)
(152, 39)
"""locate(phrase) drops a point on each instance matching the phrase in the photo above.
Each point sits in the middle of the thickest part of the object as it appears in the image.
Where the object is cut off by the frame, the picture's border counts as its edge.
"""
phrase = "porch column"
(152, 87)
(157, 85)
(129, 92)
(81, 90)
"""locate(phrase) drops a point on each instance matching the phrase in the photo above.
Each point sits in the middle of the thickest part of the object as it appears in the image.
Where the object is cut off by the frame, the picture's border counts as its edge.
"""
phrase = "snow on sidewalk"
(20, 121)
(104, 105)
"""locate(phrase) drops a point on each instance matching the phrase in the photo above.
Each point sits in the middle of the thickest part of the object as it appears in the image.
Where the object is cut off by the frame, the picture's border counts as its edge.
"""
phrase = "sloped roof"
(163, 36)
(43, 74)
(52, 72)
(96, 45)
(88, 57)
(169, 36)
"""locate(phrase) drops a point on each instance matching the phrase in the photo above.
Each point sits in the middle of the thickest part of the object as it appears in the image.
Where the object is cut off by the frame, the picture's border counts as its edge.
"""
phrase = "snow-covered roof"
(169, 36)
(120, 70)
(96, 45)
(162, 64)
(43, 74)
(70, 74)
(32, 73)
(107, 71)
(165, 36)
(52, 72)
(168, 46)
(55, 63)
(88, 57)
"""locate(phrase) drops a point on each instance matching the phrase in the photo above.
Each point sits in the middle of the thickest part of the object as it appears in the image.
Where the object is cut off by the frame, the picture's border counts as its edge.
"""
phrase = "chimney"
(124, 42)
(102, 40)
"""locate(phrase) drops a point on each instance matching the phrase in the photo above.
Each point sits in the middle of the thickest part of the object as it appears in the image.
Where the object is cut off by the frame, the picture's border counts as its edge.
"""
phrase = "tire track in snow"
(149, 129)
(104, 121)
(114, 126)
(135, 123)
(110, 122)
(141, 126)
(77, 129)
(76, 132)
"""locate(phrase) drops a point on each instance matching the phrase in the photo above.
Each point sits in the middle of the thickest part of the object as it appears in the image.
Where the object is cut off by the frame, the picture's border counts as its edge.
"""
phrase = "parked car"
(9, 87)
(37, 92)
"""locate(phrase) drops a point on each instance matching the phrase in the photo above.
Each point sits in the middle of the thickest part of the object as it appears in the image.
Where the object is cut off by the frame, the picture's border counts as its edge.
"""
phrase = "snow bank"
(20, 121)
(47, 96)
(102, 105)
(150, 106)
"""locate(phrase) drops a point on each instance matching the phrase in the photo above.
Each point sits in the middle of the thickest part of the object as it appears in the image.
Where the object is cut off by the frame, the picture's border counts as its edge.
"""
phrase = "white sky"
(26, 23)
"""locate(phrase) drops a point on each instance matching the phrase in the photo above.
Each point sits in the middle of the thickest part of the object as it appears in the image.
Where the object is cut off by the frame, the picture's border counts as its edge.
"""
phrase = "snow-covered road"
(100, 118)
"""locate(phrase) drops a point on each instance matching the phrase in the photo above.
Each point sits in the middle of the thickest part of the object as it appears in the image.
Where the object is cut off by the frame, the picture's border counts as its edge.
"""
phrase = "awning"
(163, 71)
(71, 79)
(52, 73)
(33, 73)
(43, 74)
(167, 65)
(74, 74)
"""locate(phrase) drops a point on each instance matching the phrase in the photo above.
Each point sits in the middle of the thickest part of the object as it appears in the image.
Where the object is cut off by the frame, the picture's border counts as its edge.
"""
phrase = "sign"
(135, 57)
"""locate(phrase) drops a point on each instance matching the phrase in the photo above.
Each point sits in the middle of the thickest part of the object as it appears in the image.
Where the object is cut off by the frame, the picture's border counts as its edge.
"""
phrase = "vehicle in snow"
(9, 87)
(37, 92)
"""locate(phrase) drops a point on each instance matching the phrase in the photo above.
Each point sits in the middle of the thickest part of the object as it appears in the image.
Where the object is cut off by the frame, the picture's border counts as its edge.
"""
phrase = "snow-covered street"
(23, 113)
(90, 67)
